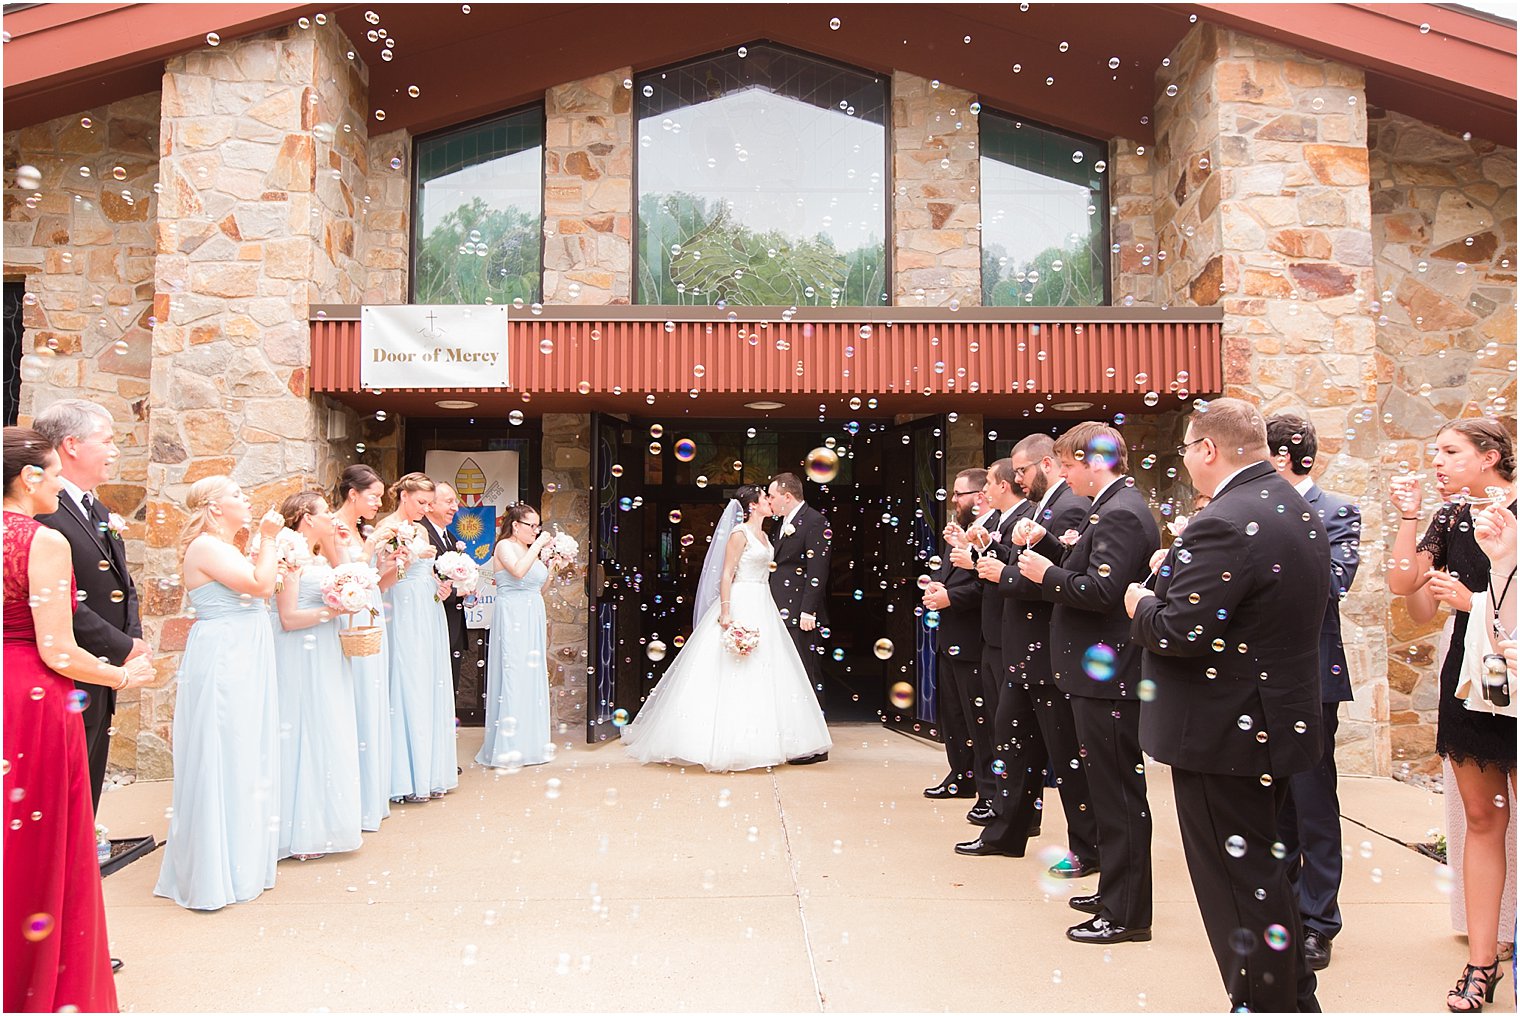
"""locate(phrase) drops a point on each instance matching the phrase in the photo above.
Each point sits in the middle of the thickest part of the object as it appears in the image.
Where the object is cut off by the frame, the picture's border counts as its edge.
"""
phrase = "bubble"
(515, 417)
(1146, 690)
(823, 465)
(686, 449)
(1424, 28)
(212, 39)
(28, 177)
(1235, 846)
(1098, 662)
(1276, 937)
(833, 24)
(655, 650)
(1151, 398)
(37, 927)
(77, 700)
(901, 694)
(884, 649)
(654, 448)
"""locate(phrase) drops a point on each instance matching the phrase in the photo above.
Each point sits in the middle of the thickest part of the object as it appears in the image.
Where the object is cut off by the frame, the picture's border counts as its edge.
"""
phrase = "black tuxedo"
(1232, 645)
(453, 607)
(965, 724)
(1310, 823)
(1087, 587)
(106, 620)
(1033, 731)
(800, 583)
(991, 663)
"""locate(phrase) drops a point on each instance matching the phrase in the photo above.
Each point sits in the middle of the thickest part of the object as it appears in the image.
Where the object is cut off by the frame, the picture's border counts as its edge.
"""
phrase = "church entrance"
(659, 491)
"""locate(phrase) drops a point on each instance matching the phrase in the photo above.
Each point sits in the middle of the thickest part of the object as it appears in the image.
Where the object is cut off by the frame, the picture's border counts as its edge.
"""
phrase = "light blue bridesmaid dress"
(423, 755)
(224, 829)
(319, 736)
(372, 711)
(517, 673)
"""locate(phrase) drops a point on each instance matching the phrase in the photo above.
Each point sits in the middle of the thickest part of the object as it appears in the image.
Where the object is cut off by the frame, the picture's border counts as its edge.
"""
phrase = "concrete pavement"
(592, 883)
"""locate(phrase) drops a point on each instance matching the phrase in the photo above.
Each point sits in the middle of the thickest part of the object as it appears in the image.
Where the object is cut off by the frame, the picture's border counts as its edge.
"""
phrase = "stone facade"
(1443, 226)
(567, 507)
(386, 239)
(588, 191)
(1263, 206)
(1134, 258)
(936, 207)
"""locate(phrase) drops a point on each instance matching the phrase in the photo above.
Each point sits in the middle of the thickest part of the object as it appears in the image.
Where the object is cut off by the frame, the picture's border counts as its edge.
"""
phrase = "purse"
(1485, 684)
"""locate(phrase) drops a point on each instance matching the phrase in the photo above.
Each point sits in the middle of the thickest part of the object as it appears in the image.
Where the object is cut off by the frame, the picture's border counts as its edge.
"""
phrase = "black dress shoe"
(982, 814)
(116, 965)
(1073, 867)
(980, 848)
(808, 760)
(947, 790)
(1316, 950)
(1099, 931)
(1087, 904)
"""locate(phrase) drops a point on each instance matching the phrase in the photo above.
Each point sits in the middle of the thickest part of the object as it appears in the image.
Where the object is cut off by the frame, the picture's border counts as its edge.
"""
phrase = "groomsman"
(439, 518)
(1231, 637)
(1034, 717)
(1099, 667)
(106, 622)
(1310, 825)
(800, 582)
(956, 594)
(988, 537)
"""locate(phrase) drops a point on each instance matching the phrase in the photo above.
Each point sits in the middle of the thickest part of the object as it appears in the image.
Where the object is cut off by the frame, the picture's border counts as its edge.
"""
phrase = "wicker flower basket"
(361, 641)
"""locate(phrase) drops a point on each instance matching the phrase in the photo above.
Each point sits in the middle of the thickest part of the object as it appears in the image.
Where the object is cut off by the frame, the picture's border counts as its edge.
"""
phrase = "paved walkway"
(594, 884)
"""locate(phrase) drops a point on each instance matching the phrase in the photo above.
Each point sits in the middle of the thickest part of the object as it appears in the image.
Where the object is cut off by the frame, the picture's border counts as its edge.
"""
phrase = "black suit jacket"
(960, 623)
(992, 600)
(1087, 588)
(1232, 635)
(451, 606)
(1026, 612)
(800, 583)
(1343, 520)
(106, 620)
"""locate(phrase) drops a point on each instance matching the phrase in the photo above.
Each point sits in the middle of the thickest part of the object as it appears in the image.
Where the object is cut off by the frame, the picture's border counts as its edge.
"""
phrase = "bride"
(714, 708)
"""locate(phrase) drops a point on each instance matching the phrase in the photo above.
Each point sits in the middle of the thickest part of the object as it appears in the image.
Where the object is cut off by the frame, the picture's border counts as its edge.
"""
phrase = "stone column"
(386, 239)
(262, 148)
(1264, 210)
(567, 507)
(1132, 216)
(588, 191)
(936, 208)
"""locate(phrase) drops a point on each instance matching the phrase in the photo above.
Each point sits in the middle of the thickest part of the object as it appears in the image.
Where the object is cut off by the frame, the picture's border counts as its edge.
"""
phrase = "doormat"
(124, 852)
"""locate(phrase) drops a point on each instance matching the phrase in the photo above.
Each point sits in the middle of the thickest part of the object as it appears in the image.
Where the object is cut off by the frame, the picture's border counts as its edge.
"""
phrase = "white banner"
(487, 486)
(411, 346)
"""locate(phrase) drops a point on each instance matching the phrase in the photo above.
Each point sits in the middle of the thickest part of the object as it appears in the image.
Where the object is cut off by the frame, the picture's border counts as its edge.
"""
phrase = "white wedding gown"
(726, 712)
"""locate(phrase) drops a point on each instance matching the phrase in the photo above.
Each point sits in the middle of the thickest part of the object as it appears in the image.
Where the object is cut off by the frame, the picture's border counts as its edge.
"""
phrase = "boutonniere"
(996, 536)
(1178, 525)
(788, 529)
(116, 526)
(1070, 537)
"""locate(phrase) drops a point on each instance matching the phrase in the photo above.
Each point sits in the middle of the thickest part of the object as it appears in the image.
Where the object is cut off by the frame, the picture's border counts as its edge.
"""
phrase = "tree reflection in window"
(761, 182)
(478, 231)
(1044, 216)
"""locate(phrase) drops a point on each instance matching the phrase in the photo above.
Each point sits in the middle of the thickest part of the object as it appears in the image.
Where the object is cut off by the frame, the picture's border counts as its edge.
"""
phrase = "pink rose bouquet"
(458, 569)
(739, 640)
(348, 587)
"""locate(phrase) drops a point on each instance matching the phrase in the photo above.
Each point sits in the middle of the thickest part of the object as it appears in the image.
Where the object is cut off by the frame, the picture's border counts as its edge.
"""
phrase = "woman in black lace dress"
(1474, 462)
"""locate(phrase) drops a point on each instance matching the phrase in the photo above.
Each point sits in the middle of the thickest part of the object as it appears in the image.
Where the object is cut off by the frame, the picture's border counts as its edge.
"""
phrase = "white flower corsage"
(116, 526)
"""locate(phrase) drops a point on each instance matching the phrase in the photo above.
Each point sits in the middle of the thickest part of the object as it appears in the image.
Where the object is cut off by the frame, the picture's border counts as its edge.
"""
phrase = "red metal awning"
(711, 362)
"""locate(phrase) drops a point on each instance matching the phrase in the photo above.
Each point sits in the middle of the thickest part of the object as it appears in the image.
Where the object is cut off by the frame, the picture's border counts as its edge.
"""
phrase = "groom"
(800, 581)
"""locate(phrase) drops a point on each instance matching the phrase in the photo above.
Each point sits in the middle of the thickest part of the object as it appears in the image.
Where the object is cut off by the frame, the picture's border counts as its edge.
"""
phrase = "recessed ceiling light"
(763, 406)
(1071, 407)
(455, 404)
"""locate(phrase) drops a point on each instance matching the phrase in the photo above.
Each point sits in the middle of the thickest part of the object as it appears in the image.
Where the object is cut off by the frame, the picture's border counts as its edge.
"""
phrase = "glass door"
(915, 485)
(617, 555)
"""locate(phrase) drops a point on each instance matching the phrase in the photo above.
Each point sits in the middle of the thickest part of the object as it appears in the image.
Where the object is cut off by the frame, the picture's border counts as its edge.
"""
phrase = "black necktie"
(89, 504)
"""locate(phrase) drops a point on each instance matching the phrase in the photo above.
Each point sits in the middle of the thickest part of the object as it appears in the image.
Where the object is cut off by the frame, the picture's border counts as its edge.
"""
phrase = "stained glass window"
(478, 212)
(1044, 216)
(761, 181)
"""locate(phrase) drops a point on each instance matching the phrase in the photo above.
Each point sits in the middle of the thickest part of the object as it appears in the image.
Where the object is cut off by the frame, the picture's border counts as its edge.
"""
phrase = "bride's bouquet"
(562, 546)
(739, 640)
(459, 570)
(348, 587)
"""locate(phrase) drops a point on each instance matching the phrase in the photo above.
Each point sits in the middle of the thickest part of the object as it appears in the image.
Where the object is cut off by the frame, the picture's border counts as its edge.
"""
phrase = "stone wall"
(566, 457)
(1263, 207)
(936, 204)
(1443, 226)
(262, 149)
(588, 191)
(385, 241)
(1133, 254)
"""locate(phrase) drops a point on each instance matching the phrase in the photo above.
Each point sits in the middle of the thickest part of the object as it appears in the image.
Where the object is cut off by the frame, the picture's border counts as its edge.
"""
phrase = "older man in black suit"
(438, 519)
(1231, 637)
(957, 596)
(1099, 667)
(1311, 818)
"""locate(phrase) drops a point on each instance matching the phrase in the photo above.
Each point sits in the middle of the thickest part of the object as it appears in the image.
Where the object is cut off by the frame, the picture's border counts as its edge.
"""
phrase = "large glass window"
(761, 182)
(1044, 216)
(477, 234)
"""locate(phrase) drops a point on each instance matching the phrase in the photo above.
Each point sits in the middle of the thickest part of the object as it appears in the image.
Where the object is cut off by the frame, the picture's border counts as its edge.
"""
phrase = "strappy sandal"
(1475, 987)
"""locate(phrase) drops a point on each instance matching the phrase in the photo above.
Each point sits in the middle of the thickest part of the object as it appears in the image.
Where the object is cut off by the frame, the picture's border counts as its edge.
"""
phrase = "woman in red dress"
(55, 919)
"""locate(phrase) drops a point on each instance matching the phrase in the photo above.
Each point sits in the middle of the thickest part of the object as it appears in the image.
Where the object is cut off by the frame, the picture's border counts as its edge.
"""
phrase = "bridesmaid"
(55, 918)
(224, 828)
(423, 753)
(319, 734)
(360, 492)
(517, 674)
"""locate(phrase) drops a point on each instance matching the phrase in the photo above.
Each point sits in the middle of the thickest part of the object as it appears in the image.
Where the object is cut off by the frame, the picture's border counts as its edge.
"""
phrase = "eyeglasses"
(964, 493)
(530, 525)
(1182, 448)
